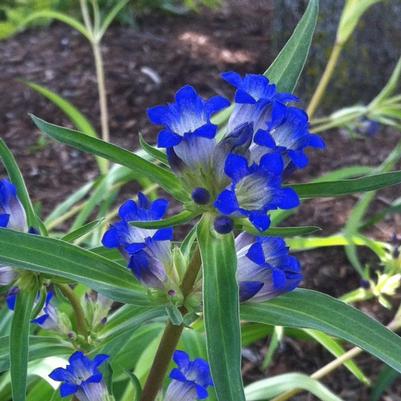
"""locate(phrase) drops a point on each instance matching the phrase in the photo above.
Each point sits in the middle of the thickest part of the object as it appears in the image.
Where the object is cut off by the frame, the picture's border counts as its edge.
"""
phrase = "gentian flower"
(187, 126)
(82, 378)
(254, 191)
(288, 133)
(190, 379)
(12, 213)
(48, 319)
(148, 251)
(255, 99)
(265, 268)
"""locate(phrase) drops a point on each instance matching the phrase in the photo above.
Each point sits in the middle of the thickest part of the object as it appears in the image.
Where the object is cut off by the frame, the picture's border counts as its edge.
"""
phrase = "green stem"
(324, 80)
(101, 84)
(171, 337)
(82, 327)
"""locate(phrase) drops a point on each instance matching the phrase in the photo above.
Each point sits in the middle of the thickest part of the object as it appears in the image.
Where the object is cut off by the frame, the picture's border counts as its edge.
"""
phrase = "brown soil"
(192, 49)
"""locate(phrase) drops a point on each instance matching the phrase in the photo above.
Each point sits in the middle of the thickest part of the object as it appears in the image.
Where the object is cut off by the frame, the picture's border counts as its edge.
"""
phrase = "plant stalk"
(324, 80)
(171, 337)
(82, 327)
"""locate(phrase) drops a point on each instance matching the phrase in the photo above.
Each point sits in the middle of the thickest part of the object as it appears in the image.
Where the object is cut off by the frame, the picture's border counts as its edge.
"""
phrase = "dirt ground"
(144, 67)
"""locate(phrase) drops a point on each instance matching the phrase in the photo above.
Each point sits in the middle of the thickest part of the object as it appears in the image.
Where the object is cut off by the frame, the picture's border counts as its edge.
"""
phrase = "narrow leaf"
(19, 343)
(61, 259)
(288, 65)
(81, 231)
(221, 312)
(142, 167)
(314, 310)
(180, 218)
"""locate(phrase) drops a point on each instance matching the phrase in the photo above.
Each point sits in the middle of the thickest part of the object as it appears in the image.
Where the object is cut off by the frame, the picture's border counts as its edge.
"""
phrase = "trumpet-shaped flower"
(265, 268)
(148, 250)
(12, 213)
(48, 318)
(288, 133)
(190, 379)
(82, 378)
(255, 190)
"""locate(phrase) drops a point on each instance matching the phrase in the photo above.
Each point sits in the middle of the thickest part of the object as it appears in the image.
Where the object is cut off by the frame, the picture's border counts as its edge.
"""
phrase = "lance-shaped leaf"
(58, 258)
(346, 187)
(221, 312)
(142, 167)
(180, 218)
(287, 67)
(19, 343)
(314, 310)
(278, 231)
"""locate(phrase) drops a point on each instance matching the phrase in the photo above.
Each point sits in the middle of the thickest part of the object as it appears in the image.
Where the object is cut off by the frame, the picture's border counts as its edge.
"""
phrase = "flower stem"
(324, 80)
(82, 327)
(171, 337)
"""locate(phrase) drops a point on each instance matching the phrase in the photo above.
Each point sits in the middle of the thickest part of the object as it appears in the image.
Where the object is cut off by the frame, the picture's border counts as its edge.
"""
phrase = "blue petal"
(201, 392)
(260, 220)
(41, 319)
(299, 158)
(206, 131)
(164, 234)
(236, 167)
(59, 375)
(95, 378)
(67, 389)
(263, 138)
(159, 208)
(11, 300)
(279, 279)
(111, 238)
(143, 201)
(187, 94)
(248, 289)
(316, 141)
(99, 359)
(290, 199)
(256, 254)
(157, 114)
(135, 247)
(4, 219)
(272, 162)
(168, 139)
(215, 104)
(128, 211)
(232, 78)
(176, 374)
(242, 96)
(181, 358)
(226, 202)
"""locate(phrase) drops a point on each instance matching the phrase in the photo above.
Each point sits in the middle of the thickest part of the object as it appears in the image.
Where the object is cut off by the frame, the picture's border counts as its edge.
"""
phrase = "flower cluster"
(240, 174)
(148, 251)
(82, 378)
(190, 379)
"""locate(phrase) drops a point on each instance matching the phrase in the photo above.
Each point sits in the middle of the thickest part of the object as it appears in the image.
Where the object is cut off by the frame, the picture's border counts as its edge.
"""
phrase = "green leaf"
(384, 380)
(288, 65)
(81, 231)
(181, 218)
(278, 231)
(221, 313)
(75, 116)
(19, 343)
(152, 151)
(18, 180)
(142, 167)
(61, 259)
(269, 388)
(346, 187)
(314, 310)
(110, 17)
(49, 14)
(39, 347)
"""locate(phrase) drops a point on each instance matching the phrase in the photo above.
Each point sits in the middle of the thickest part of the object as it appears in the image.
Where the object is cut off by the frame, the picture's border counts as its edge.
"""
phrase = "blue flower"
(190, 379)
(12, 213)
(187, 126)
(265, 269)
(148, 251)
(255, 190)
(288, 133)
(48, 319)
(82, 378)
(11, 298)
(255, 99)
